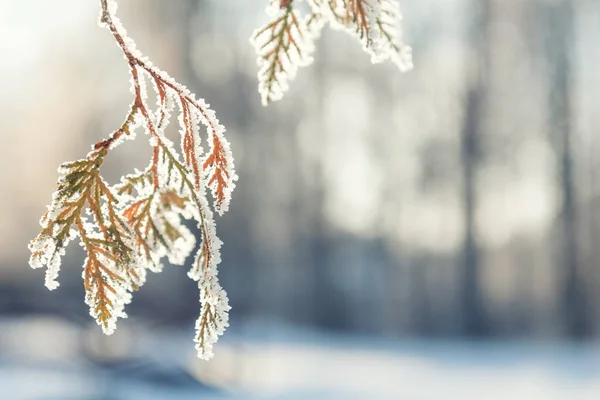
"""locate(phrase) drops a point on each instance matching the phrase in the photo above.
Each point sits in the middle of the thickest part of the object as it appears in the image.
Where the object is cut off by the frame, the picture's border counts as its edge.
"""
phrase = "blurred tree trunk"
(560, 41)
(422, 323)
(474, 321)
(329, 308)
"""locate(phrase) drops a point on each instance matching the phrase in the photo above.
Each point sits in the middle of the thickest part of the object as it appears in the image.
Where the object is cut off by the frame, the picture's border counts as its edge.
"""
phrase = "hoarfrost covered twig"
(286, 42)
(136, 223)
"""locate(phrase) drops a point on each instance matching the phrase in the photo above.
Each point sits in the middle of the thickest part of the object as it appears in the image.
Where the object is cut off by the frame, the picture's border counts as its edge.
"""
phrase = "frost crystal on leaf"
(135, 224)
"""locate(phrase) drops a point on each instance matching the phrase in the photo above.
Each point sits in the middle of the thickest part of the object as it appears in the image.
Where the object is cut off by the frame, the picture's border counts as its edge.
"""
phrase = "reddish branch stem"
(139, 105)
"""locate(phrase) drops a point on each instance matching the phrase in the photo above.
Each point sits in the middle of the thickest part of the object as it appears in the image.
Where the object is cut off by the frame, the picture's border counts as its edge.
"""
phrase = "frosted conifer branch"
(282, 45)
(390, 45)
(287, 41)
(137, 223)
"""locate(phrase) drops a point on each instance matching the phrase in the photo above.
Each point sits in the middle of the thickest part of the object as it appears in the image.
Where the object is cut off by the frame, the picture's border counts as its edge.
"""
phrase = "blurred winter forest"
(458, 201)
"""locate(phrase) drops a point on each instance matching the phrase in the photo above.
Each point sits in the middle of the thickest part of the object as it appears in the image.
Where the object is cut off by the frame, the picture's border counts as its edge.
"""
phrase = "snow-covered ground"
(269, 361)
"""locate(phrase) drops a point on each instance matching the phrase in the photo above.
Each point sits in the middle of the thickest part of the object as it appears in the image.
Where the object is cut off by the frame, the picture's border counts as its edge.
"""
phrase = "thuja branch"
(286, 42)
(135, 224)
(128, 228)
(282, 45)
